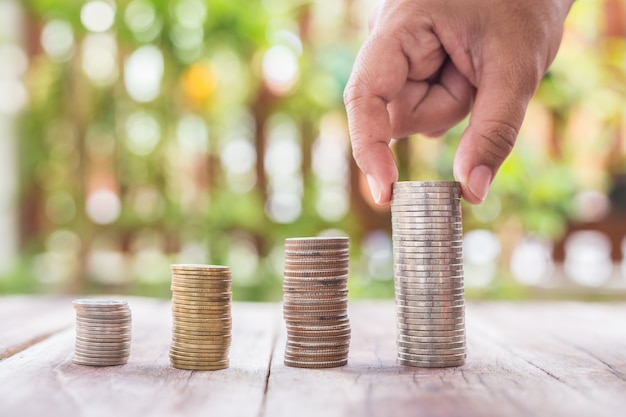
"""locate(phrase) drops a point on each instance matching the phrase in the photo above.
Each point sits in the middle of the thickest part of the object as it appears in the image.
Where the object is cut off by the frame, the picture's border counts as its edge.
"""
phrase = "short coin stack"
(427, 238)
(103, 332)
(316, 302)
(201, 312)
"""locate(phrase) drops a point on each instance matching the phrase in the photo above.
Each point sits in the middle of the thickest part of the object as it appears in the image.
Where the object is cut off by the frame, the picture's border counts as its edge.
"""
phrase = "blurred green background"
(135, 134)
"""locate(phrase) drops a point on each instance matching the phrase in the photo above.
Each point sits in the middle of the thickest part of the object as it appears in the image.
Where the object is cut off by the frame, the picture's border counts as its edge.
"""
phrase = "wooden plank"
(511, 370)
(26, 320)
(43, 380)
(582, 346)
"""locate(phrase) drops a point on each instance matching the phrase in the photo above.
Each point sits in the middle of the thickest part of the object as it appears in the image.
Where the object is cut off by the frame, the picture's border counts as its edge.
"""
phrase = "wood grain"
(519, 364)
(26, 320)
(524, 359)
(44, 381)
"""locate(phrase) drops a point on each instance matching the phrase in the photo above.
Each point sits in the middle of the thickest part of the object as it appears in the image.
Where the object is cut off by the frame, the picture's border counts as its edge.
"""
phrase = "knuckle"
(498, 139)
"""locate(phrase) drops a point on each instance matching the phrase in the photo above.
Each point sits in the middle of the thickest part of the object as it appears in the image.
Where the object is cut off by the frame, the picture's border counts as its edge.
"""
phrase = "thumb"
(495, 121)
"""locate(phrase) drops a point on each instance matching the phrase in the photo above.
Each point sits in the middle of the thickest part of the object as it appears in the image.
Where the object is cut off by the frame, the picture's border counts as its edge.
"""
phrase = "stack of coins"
(427, 238)
(201, 311)
(103, 332)
(316, 302)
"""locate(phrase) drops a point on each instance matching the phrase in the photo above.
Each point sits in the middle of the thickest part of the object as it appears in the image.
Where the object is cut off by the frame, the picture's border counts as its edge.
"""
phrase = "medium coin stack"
(427, 236)
(201, 312)
(316, 302)
(103, 332)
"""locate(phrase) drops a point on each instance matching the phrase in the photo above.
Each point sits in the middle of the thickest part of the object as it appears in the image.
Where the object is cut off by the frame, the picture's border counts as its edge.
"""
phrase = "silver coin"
(406, 309)
(315, 272)
(431, 330)
(415, 324)
(317, 239)
(100, 353)
(105, 345)
(412, 321)
(427, 252)
(452, 244)
(421, 266)
(412, 204)
(456, 337)
(430, 351)
(419, 276)
(401, 191)
(425, 184)
(415, 229)
(426, 258)
(420, 260)
(322, 259)
(401, 235)
(408, 216)
(291, 251)
(430, 364)
(321, 329)
(426, 195)
(424, 286)
(406, 325)
(425, 289)
(408, 300)
(437, 336)
(444, 217)
(427, 212)
(100, 303)
(434, 358)
(418, 315)
(411, 241)
(91, 361)
(425, 313)
(405, 230)
(312, 278)
(419, 201)
(402, 264)
(80, 329)
(408, 223)
(427, 277)
(413, 304)
(408, 289)
(430, 357)
(433, 307)
(428, 345)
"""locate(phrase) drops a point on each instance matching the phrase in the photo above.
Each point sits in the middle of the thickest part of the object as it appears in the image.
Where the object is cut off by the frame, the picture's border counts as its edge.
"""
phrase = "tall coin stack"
(201, 312)
(316, 302)
(103, 332)
(427, 238)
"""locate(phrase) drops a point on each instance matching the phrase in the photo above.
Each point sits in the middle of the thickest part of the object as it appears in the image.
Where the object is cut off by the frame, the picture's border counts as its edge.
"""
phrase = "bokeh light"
(98, 15)
(588, 258)
(57, 39)
(481, 250)
(531, 262)
(143, 73)
(103, 206)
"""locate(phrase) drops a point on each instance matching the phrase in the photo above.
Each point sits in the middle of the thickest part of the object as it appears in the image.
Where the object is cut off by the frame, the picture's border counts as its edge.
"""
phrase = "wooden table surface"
(524, 359)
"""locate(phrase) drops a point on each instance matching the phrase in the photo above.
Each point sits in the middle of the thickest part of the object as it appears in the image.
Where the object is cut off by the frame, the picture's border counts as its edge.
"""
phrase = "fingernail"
(374, 188)
(479, 181)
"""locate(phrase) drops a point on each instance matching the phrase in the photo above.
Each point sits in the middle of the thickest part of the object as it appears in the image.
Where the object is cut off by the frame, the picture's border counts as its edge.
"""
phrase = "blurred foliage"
(178, 200)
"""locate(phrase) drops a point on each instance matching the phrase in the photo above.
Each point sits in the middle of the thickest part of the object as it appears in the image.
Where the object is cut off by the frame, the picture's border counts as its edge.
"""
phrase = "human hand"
(427, 63)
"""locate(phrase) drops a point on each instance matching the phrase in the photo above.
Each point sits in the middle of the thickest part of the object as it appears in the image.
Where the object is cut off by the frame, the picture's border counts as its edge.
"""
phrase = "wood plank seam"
(13, 350)
(612, 369)
(268, 374)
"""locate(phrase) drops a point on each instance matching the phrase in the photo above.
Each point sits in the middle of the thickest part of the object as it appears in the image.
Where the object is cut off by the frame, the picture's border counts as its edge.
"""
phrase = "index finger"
(379, 73)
